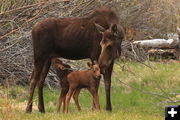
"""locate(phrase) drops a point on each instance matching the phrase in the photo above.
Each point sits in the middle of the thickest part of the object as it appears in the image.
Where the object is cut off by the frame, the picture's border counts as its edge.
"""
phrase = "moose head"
(110, 45)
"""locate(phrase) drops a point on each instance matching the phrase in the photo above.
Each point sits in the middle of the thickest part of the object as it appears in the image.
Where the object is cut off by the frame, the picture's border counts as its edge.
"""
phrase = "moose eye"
(109, 47)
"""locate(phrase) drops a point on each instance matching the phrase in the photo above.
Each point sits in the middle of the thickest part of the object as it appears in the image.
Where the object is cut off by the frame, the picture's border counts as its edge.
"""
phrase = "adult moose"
(96, 36)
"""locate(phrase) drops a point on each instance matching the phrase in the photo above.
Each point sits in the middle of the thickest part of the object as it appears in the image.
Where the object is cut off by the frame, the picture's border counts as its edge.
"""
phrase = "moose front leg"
(41, 84)
(107, 82)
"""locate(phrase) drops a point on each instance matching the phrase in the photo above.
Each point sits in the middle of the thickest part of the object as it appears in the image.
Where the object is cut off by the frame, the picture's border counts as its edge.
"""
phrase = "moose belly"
(73, 53)
(73, 49)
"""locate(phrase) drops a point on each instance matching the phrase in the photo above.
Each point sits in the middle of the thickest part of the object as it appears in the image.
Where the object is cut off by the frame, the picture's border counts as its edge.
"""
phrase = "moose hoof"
(109, 109)
(29, 109)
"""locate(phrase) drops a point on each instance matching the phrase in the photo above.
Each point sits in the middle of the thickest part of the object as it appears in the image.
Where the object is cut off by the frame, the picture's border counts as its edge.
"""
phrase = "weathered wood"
(163, 47)
(158, 43)
(165, 53)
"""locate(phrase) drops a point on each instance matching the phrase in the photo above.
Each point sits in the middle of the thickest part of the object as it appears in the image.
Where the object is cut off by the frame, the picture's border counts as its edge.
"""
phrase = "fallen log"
(172, 43)
(158, 43)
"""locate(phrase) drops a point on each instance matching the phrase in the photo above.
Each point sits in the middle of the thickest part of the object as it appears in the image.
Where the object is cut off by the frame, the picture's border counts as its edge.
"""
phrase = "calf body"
(84, 79)
(62, 70)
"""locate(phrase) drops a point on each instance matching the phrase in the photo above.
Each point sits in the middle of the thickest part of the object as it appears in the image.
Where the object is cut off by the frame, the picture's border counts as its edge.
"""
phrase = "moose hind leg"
(33, 82)
(44, 72)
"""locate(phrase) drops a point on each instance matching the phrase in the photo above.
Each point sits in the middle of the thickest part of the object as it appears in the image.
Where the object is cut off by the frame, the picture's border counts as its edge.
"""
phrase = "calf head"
(110, 45)
(60, 66)
(96, 72)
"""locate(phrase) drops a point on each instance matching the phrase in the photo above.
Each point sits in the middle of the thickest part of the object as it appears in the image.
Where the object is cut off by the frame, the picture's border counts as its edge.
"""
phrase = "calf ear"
(99, 28)
(61, 67)
(67, 66)
(89, 64)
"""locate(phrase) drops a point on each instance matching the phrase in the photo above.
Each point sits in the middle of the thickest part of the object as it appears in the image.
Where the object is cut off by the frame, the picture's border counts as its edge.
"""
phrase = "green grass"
(138, 93)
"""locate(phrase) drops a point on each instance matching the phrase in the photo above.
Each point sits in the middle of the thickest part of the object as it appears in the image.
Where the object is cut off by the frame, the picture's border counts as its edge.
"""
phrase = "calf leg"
(59, 103)
(68, 97)
(95, 98)
(97, 88)
(62, 98)
(75, 97)
(93, 104)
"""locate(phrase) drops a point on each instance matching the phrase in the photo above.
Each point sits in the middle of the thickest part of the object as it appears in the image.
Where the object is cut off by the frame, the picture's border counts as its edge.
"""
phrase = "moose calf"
(62, 70)
(84, 79)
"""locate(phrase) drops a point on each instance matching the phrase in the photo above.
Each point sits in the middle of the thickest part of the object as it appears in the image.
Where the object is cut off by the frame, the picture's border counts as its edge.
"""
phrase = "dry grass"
(139, 94)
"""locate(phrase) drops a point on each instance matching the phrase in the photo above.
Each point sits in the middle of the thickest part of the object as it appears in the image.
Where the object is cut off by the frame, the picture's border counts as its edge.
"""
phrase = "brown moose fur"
(84, 79)
(62, 70)
(72, 38)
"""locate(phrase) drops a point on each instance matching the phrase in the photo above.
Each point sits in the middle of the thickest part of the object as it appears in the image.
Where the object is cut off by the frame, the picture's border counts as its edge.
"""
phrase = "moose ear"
(114, 29)
(89, 64)
(99, 28)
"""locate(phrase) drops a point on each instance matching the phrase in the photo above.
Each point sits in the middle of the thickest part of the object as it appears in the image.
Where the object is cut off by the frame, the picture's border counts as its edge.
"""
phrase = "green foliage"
(138, 92)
